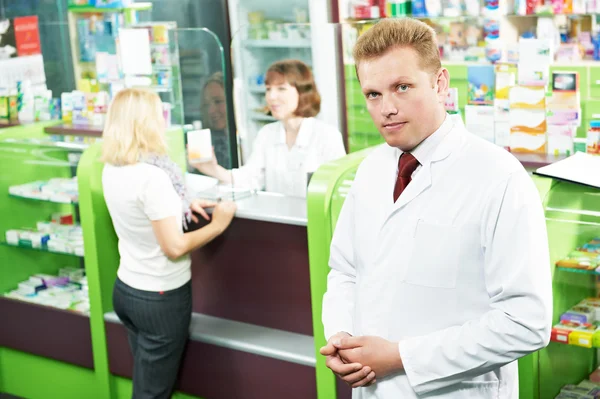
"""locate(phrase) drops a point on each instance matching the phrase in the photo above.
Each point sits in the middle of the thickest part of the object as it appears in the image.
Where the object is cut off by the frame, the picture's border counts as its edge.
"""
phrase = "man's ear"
(442, 84)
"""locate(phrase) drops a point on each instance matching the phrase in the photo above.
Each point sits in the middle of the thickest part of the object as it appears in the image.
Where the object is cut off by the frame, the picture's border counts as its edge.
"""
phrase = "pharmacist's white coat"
(457, 270)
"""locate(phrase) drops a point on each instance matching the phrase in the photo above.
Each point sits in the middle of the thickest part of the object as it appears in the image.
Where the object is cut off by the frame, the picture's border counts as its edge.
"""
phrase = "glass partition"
(200, 105)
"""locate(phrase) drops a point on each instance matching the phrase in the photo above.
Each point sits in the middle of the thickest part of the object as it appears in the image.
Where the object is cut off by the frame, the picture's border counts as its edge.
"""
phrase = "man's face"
(404, 100)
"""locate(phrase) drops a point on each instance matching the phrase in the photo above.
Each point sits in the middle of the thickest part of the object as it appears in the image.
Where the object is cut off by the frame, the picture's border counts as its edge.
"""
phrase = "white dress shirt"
(424, 151)
(276, 168)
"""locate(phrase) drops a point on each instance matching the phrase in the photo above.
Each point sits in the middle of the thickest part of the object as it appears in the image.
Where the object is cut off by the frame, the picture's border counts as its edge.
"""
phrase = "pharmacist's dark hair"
(298, 75)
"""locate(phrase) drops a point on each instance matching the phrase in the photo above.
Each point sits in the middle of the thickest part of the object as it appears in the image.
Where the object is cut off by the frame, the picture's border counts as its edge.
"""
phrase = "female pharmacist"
(149, 207)
(286, 151)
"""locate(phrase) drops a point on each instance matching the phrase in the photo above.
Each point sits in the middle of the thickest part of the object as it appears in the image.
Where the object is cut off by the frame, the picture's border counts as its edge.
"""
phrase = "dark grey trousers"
(158, 328)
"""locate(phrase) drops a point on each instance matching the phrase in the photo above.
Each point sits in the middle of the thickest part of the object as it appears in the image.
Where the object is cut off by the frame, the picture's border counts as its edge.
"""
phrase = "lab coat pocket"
(435, 255)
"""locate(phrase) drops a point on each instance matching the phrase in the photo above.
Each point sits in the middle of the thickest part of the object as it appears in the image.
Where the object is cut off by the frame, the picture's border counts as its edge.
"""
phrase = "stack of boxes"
(563, 112)
(506, 78)
(479, 112)
(527, 118)
(69, 290)
(579, 325)
(527, 112)
(585, 257)
(60, 235)
(586, 389)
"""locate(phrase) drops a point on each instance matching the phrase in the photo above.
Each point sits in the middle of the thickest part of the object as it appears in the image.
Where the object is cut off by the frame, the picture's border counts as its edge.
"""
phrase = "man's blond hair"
(398, 33)
(134, 127)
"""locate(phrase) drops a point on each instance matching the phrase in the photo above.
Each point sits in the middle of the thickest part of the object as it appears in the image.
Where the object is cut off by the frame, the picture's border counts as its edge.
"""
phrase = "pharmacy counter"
(251, 334)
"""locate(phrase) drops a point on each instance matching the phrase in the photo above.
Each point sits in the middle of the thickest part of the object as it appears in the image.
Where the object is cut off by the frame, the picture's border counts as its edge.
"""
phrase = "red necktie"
(406, 166)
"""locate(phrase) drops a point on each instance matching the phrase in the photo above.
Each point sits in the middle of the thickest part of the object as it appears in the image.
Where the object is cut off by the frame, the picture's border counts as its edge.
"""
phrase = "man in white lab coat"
(440, 271)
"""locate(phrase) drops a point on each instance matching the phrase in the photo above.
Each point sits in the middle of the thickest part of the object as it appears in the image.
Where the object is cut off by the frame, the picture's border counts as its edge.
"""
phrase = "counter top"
(271, 207)
(264, 206)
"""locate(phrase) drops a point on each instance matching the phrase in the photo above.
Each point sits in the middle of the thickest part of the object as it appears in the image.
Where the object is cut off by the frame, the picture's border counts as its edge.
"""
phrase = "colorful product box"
(560, 139)
(579, 314)
(4, 114)
(561, 117)
(566, 82)
(452, 100)
(524, 97)
(506, 77)
(480, 121)
(560, 334)
(580, 260)
(582, 336)
(482, 80)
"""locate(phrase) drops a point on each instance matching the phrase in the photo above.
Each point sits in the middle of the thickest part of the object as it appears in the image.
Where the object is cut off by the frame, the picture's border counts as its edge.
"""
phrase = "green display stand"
(541, 374)
(26, 155)
(29, 155)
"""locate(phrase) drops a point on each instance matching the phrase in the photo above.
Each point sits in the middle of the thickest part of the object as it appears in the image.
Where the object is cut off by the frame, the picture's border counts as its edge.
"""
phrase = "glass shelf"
(88, 9)
(47, 143)
(581, 271)
(42, 249)
(42, 200)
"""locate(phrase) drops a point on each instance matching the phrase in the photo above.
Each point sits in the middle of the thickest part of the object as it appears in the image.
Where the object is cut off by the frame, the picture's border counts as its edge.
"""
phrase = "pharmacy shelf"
(573, 345)
(47, 143)
(42, 249)
(580, 271)
(88, 9)
(66, 129)
(58, 334)
(534, 161)
(42, 199)
(277, 43)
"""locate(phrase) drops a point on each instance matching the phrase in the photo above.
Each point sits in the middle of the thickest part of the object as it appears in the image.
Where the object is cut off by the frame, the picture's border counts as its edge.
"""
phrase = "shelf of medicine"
(88, 9)
(47, 143)
(592, 272)
(42, 249)
(65, 201)
(286, 43)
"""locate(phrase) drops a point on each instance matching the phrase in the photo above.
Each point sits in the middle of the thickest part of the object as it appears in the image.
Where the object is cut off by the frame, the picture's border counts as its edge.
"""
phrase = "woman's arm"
(175, 244)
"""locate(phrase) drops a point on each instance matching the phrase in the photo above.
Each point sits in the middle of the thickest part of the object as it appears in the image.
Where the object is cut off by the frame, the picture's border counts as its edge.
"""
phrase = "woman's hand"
(198, 206)
(223, 214)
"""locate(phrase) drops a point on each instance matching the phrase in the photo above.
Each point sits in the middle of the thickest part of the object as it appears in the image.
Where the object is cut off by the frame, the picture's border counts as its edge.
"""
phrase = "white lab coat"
(457, 270)
(275, 167)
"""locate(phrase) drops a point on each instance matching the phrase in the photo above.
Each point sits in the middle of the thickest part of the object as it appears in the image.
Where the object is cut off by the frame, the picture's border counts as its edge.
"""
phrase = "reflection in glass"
(214, 117)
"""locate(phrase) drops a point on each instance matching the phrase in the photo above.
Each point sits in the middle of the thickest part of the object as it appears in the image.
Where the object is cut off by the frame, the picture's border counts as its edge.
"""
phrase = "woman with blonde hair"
(147, 200)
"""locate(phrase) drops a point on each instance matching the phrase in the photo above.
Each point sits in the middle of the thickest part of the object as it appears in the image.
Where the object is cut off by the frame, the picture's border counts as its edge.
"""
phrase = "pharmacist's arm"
(338, 301)
(213, 169)
(252, 174)
(518, 282)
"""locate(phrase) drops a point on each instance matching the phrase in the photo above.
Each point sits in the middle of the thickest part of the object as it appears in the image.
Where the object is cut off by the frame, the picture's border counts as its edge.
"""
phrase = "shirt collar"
(304, 134)
(425, 150)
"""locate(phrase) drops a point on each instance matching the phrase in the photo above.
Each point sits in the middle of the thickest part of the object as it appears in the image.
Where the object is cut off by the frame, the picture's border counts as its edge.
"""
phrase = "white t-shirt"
(136, 195)
(274, 167)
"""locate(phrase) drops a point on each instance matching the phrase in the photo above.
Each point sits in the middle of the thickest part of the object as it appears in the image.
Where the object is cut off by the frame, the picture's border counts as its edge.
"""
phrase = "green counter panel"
(35, 377)
(124, 386)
